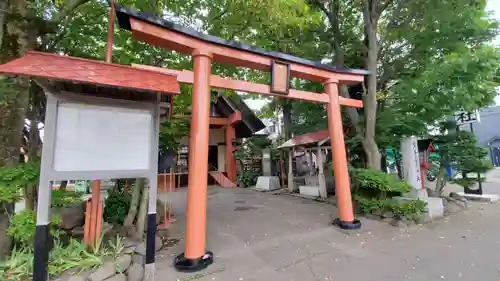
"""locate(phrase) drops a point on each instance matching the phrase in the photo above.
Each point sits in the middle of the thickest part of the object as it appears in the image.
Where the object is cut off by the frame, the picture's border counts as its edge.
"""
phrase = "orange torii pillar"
(346, 218)
(195, 257)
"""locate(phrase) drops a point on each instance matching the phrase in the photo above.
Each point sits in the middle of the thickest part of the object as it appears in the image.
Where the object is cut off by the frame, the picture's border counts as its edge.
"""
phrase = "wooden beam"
(235, 118)
(186, 76)
(172, 40)
(219, 121)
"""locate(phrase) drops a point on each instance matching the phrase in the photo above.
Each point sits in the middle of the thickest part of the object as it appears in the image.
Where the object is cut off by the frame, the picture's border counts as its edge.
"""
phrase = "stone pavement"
(257, 236)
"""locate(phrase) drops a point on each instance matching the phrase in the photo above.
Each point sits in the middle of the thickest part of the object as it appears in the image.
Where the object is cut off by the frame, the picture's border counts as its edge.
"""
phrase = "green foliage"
(252, 147)
(422, 100)
(248, 178)
(249, 152)
(63, 197)
(410, 209)
(373, 191)
(117, 205)
(171, 132)
(19, 266)
(461, 151)
(12, 180)
(23, 225)
(371, 183)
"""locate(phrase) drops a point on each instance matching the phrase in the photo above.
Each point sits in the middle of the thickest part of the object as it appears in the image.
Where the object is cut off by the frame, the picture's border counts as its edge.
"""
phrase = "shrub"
(117, 205)
(22, 227)
(19, 266)
(410, 209)
(248, 178)
(372, 183)
(373, 191)
(13, 179)
(62, 197)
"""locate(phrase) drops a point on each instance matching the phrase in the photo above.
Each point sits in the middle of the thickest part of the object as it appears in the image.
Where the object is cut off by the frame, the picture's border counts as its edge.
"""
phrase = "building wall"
(488, 128)
(216, 136)
(221, 165)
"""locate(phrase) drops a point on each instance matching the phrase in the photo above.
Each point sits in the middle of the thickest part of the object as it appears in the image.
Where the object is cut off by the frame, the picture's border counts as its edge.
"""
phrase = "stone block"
(123, 263)
(312, 180)
(267, 183)
(135, 272)
(484, 197)
(309, 190)
(434, 206)
(76, 278)
(71, 216)
(141, 249)
(139, 259)
(118, 277)
(103, 272)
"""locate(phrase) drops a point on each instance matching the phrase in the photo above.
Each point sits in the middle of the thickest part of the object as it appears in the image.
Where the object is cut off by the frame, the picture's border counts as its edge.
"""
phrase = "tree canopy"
(427, 59)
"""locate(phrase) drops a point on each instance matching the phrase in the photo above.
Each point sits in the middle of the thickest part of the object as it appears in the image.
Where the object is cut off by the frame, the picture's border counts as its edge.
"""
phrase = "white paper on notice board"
(99, 138)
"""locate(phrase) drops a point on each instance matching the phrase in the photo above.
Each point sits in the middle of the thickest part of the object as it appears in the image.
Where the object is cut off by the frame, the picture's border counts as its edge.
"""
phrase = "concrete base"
(267, 183)
(309, 190)
(485, 197)
(418, 193)
(434, 206)
(312, 180)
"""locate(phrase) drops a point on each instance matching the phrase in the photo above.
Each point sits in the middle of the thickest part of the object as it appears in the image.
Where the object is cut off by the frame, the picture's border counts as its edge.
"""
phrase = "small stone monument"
(412, 175)
(267, 182)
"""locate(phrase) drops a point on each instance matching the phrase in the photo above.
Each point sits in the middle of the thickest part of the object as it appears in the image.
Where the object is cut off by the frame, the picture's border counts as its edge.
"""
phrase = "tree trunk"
(143, 212)
(333, 16)
(332, 12)
(12, 109)
(32, 144)
(398, 165)
(3, 9)
(63, 185)
(370, 103)
(440, 181)
(13, 103)
(287, 118)
(134, 202)
(383, 162)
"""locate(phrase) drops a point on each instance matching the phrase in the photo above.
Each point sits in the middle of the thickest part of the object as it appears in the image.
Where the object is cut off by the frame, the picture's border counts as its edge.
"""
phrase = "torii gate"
(205, 49)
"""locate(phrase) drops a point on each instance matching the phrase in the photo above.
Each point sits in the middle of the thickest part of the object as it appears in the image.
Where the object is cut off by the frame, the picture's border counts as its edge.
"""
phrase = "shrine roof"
(306, 139)
(250, 123)
(124, 14)
(91, 73)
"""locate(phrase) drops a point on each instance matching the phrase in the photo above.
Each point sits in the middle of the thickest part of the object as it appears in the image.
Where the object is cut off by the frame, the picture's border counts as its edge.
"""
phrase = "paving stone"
(138, 259)
(135, 272)
(158, 243)
(141, 249)
(123, 263)
(118, 277)
(103, 272)
(76, 278)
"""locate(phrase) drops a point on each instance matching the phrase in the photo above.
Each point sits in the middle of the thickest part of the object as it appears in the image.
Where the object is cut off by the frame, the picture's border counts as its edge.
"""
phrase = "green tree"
(23, 25)
(460, 151)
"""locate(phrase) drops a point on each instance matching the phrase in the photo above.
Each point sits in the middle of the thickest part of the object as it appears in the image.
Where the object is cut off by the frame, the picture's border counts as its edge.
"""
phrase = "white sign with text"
(464, 117)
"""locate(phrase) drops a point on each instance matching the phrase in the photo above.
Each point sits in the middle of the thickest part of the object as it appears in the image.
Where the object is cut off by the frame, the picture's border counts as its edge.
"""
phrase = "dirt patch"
(167, 243)
(245, 208)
